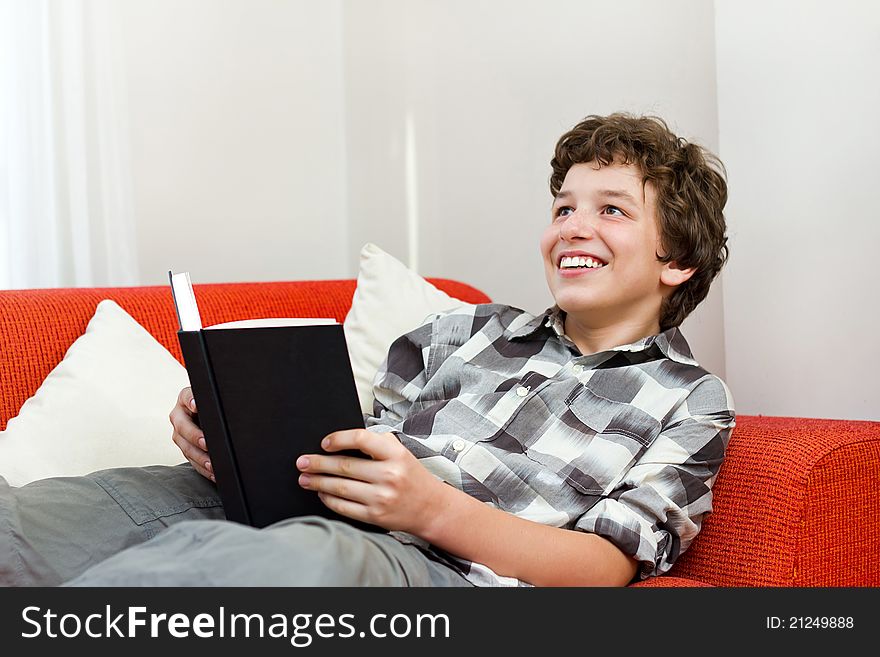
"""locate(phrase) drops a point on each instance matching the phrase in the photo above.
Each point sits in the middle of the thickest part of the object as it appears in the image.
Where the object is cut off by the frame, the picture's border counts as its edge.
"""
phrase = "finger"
(183, 424)
(201, 470)
(346, 508)
(352, 467)
(192, 453)
(186, 400)
(198, 458)
(377, 445)
(349, 489)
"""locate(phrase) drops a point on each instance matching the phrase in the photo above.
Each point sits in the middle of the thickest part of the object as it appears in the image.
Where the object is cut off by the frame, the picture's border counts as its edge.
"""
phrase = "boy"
(576, 447)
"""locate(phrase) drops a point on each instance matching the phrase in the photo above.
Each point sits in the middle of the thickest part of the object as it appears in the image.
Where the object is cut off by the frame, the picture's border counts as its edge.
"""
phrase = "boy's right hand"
(187, 434)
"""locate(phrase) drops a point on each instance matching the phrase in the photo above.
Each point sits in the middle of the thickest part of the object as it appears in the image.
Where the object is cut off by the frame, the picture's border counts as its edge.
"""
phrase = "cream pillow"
(104, 405)
(390, 300)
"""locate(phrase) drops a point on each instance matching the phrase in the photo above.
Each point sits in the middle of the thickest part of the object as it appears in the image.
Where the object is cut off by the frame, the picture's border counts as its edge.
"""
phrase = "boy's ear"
(673, 276)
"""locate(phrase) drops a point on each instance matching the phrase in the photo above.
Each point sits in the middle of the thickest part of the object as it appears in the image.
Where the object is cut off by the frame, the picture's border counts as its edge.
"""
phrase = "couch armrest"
(796, 504)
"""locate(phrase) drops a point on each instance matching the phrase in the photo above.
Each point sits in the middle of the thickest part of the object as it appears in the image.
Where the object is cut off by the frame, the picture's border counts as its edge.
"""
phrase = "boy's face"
(607, 213)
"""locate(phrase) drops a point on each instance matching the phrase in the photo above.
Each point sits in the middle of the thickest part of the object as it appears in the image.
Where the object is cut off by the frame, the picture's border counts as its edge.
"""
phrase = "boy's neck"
(591, 339)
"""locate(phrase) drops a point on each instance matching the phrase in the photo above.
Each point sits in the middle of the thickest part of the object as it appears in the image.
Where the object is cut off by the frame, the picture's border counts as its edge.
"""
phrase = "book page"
(270, 322)
(185, 302)
(190, 319)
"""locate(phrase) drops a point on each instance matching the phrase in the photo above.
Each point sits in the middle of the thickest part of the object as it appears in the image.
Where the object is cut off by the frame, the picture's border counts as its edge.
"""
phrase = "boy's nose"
(577, 225)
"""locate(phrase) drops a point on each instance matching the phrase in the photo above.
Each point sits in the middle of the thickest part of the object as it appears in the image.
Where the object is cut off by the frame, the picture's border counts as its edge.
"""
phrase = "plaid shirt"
(501, 404)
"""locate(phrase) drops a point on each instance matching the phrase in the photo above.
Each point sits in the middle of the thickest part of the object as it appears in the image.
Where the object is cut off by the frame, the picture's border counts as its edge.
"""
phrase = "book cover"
(266, 394)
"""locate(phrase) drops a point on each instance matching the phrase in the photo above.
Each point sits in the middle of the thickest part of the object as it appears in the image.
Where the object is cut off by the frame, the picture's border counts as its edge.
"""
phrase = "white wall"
(453, 109)
(272, 139)
(238, 152)
(799, 103)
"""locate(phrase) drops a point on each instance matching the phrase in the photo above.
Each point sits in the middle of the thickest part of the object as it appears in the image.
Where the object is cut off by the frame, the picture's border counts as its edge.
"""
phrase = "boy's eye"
(564, 211)
(611, 209)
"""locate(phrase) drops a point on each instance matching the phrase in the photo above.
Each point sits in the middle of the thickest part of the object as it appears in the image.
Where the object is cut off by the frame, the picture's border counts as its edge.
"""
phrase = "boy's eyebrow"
(619, 193)
(606, 193)
(561, 196)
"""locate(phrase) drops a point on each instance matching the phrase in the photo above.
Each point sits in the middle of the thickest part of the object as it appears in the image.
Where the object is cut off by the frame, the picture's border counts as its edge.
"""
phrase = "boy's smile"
(600, 255)
(577, 262)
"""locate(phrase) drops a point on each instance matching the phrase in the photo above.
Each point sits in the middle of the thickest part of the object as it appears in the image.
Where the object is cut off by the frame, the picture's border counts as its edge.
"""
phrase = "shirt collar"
(670, 342)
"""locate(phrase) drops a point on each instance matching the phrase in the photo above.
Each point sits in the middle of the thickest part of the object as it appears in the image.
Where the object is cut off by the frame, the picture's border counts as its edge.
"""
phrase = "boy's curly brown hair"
(691, 188)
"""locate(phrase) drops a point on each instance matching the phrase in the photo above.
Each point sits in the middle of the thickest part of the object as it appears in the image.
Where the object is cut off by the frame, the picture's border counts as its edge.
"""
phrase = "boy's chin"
(575, 303)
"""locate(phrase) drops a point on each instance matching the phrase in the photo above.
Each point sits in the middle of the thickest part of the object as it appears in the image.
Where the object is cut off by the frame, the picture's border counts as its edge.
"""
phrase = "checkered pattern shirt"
(501, 404)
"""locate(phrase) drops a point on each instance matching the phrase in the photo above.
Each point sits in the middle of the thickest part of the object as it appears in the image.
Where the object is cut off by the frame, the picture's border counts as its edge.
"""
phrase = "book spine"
(212, 420)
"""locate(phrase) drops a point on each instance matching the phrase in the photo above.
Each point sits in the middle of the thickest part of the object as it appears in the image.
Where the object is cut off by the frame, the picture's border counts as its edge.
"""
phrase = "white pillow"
(104, 405)
(390, 300)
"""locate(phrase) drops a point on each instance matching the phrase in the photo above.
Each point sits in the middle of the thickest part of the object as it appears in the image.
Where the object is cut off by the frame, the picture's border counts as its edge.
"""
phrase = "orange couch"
(796, 502)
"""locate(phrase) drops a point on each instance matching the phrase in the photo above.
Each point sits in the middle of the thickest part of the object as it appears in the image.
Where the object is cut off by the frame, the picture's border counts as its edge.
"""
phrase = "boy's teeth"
(569, 262)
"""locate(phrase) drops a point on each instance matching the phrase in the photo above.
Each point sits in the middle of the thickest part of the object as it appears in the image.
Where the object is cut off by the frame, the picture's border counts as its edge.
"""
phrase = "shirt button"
(522, 391)
(577, 369)
(458, 445)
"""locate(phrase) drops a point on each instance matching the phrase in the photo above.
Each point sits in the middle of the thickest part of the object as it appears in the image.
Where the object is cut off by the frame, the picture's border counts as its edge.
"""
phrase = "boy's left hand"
(393, 490)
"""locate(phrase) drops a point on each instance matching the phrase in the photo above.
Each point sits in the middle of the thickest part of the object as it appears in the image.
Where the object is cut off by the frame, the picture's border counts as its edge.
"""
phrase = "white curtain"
(66, 211)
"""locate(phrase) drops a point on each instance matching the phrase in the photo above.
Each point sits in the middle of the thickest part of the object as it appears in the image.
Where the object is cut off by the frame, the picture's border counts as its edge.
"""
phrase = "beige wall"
(799, 105)
(238, 152)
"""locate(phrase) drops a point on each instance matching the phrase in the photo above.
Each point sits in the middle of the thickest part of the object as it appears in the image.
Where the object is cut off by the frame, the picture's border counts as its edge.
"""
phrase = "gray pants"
(163, 526)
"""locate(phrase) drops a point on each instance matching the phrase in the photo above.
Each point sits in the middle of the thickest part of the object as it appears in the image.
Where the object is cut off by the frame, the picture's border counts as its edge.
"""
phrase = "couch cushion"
(390, 300)
(105, 405)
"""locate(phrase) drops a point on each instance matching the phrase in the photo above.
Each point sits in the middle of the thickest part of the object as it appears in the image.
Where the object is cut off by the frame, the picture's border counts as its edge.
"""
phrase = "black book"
(267, 391)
